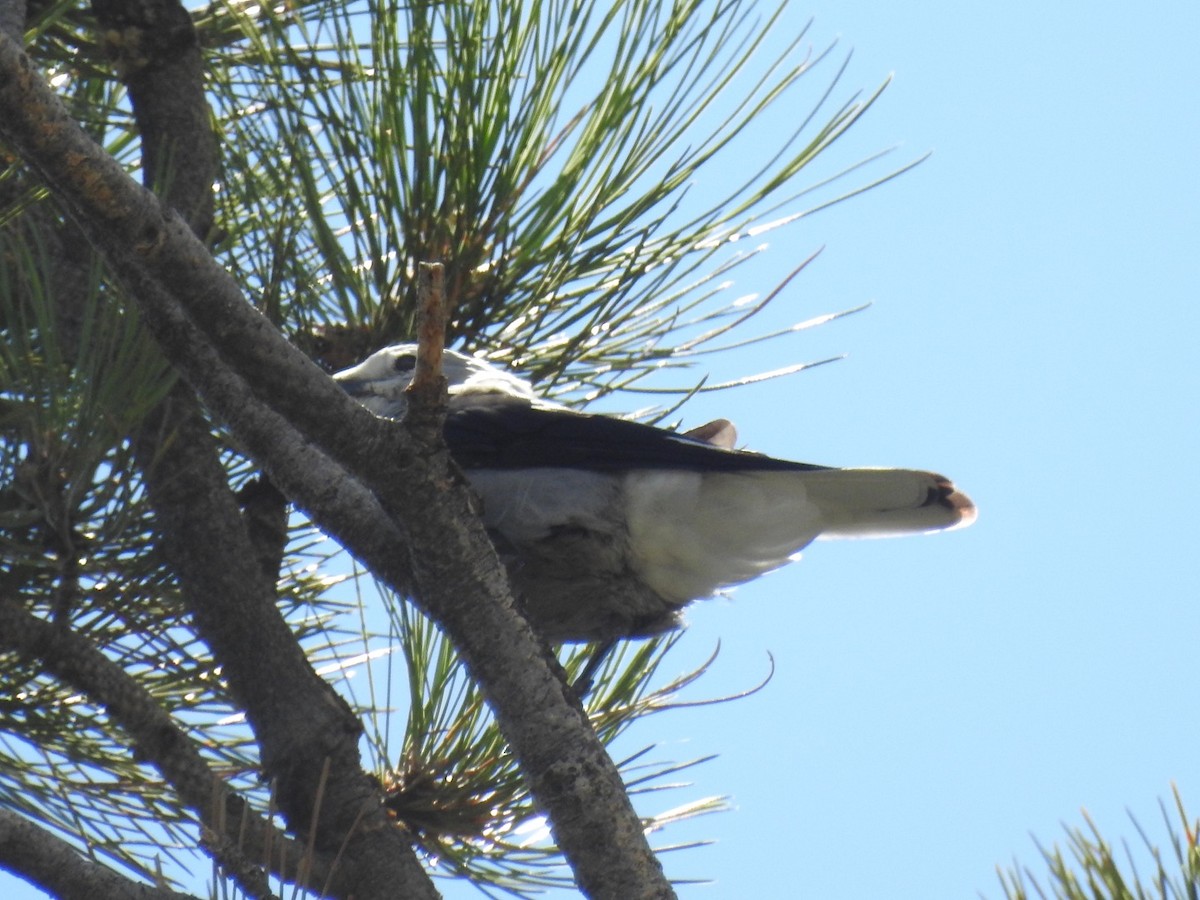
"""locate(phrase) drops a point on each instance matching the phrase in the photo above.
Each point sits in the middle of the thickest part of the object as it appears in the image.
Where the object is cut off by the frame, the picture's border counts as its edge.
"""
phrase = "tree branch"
(308, 736)
(12, 18)
(50, 863)
(456, 571)
(154, 47)
(159, 739)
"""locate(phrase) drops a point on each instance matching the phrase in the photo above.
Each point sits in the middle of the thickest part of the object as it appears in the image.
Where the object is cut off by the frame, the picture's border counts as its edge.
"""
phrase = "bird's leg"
(583, 684)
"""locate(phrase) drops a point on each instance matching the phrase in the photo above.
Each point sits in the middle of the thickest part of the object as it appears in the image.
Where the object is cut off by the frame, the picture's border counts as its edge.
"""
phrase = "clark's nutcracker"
(609, 527)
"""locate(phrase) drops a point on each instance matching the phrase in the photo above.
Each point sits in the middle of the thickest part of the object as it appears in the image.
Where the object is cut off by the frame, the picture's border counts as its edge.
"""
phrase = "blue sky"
(1035, 283)
(1035, 291)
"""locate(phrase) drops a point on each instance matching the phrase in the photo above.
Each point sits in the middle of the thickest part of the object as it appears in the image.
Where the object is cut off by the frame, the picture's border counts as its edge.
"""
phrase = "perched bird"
(609, 527)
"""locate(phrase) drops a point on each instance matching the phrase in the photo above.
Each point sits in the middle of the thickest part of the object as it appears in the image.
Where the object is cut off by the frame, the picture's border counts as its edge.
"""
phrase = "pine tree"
(179, 476)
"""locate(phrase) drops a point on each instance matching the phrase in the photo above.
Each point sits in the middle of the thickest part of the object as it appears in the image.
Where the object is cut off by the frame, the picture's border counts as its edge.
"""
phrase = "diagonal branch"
(449, 557)
(159, 740)
(47, 861)
(154, 46)
(308, 736)
(456, 572)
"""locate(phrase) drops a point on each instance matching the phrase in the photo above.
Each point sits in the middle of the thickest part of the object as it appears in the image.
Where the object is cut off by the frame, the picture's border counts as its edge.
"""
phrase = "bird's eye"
(404, 363)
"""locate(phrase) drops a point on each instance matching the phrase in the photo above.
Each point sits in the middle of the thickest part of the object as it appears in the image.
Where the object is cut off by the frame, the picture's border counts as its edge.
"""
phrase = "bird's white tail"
(699, 532)
(886, 502)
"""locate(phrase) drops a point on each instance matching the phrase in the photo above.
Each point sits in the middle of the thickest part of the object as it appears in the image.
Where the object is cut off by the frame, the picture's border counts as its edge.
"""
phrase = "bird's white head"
(379, 381)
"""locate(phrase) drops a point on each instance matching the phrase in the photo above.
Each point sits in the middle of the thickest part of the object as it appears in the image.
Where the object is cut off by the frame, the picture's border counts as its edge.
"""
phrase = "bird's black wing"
(508, 433)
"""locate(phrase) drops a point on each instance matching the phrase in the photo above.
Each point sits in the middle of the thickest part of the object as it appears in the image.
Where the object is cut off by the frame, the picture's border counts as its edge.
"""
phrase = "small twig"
(431, 326)
(427, 391)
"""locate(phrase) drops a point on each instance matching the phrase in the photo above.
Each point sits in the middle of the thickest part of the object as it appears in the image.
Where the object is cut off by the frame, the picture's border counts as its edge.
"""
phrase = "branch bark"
(307, 735)
(47, 861)
(159, 740)
(194, 308)
(153, 44)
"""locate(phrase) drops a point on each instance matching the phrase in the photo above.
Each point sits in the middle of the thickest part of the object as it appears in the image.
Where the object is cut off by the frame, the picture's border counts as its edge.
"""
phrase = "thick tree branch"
(265, 510)
(12, 18)
(50, 863)
(154, 46)
(446, 553)
(444, 550)
(457, 574)
(307, 734)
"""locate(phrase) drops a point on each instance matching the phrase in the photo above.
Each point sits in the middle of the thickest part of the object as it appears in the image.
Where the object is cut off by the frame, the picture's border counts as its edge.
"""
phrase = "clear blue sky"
(1036, 287)
(1035, 317)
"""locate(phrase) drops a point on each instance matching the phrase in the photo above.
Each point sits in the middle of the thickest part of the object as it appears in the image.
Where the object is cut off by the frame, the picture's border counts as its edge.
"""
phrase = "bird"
(610, 527)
